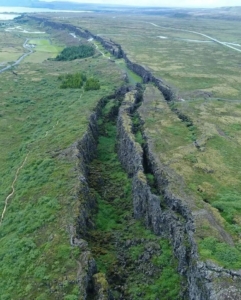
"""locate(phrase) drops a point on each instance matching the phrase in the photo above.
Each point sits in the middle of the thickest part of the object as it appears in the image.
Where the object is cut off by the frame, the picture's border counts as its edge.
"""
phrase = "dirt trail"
(16, 177)
(13, 189)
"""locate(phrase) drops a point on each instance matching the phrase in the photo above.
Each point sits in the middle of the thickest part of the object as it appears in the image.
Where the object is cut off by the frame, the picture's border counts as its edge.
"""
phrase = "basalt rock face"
(62, 26)
(130, 155)
(174, 219)
(205, 280)
(114, 48)
(83, 152)
(86, 152)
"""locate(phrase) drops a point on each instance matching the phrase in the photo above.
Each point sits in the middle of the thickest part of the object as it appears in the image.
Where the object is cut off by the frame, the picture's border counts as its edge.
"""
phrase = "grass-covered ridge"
(205, 153)
(38, 121)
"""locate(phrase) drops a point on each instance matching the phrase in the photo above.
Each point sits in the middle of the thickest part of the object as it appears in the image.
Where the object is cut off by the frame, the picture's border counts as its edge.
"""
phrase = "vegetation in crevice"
(137, 263)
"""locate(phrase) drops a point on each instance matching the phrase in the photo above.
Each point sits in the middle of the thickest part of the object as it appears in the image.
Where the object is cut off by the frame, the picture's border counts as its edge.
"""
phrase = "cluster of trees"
(77, 80)
(74, 52)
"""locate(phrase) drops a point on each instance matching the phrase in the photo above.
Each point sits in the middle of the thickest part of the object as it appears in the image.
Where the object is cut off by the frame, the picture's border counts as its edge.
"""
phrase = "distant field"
(10, 47)
(191, 63)
(11, 44)
(43, 45)
(43, 50)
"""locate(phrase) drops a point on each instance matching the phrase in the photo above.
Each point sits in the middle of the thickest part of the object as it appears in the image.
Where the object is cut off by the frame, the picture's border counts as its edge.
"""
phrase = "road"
(229, 45)
(25, 46)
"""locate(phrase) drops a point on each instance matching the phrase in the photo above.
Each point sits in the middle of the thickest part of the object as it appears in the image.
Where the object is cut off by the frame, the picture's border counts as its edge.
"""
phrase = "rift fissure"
(132, 261)
(200, 276)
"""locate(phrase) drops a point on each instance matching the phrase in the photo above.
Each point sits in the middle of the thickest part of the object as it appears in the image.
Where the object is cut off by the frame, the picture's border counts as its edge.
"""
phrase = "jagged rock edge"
(84, 152)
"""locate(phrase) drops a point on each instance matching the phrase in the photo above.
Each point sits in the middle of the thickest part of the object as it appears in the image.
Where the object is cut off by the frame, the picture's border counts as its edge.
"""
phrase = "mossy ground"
(137, 263)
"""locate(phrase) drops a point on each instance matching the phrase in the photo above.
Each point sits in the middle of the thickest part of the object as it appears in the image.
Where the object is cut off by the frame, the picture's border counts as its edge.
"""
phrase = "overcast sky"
(176, 3)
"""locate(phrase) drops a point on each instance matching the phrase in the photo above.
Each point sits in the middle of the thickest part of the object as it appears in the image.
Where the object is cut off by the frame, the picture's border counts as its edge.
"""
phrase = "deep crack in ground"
(136, 263)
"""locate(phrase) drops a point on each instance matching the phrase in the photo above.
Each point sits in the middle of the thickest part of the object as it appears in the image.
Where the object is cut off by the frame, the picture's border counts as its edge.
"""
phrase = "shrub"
(74, 81)
(223, 253)
(92, 84)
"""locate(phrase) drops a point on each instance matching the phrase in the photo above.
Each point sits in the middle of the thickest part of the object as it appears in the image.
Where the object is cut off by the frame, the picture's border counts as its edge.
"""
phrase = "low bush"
(92, 84)
(74, 81)
(223, 253)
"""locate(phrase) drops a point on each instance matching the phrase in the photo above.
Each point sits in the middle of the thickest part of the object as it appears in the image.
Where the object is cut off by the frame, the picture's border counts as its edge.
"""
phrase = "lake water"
(8, 16)
(6, 9)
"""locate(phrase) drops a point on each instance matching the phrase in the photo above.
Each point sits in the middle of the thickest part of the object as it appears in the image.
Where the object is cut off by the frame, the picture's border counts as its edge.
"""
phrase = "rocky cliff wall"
(167, 214)
(205, 280)
(168, 221)
(83, 152)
